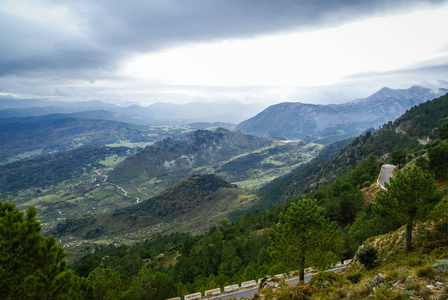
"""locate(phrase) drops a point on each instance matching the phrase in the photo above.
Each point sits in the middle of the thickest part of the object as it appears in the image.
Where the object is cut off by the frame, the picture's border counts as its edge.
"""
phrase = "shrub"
(424, 293)
(441, 266)
(285, 295)
(354, 277)
(414, 261)
(302, 291)
(412, 286)
(324, 279)
(426, 271)
(444, 295)
(368, 256)
(385, 292)
(368, 287)
(441, 252)
(402, 274)
(366, 183)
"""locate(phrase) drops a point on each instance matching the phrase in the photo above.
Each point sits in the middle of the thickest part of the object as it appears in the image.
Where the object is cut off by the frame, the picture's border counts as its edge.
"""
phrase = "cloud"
(40, 35)
(433, 69)
(77, 50)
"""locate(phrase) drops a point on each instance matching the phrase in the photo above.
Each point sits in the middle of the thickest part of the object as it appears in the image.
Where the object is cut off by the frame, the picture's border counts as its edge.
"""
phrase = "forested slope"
(421, 121)
(193, 204)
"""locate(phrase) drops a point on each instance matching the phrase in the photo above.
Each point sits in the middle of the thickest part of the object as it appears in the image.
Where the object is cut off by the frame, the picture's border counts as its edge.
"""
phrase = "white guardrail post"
(231, 288)
(247, 284)
(193, 296)
(212, 292)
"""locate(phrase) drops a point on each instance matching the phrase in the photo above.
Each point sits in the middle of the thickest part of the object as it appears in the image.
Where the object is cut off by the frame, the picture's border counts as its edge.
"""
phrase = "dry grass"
(370, 192)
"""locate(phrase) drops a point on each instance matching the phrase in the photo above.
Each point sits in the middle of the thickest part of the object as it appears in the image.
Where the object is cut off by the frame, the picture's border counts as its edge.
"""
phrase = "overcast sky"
(258, 51)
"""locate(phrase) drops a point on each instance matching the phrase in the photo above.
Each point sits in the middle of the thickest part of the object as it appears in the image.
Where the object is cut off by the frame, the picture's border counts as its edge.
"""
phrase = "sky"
(258, 51)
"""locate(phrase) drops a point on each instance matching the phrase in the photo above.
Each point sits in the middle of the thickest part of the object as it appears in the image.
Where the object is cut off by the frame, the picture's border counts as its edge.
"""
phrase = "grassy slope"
(193, 205)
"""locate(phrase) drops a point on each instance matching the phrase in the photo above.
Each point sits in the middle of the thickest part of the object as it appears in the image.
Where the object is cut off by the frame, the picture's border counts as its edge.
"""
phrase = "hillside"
(309, 121)
(394, 273)
(66, 184)
(235, 252)
(53, 169)
(192, 205)
(420, 122)
(245, 160)
(28, 137)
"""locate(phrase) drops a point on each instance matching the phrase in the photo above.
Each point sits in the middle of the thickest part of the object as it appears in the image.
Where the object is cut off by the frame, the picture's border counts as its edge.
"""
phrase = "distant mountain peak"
(295, 120)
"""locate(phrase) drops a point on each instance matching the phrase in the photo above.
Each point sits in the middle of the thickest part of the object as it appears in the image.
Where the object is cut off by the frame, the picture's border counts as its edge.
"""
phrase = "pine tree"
(31, 266)
(305, 238)
(409, 196)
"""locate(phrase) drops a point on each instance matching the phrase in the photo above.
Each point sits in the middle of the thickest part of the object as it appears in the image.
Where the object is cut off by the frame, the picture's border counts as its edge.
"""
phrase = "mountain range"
(159, 113)
(198, 200)
(295, 120)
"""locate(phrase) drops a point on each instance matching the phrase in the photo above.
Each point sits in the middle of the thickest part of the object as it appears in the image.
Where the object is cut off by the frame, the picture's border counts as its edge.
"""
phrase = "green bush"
(426, 271)
(368, 287)
(412, 286)
(414, 261)
(354, 277)
(385, 292)
(441, 252)
(400, 274)
(368, 256)
(324, 279)
(441, 266)
(298, 292)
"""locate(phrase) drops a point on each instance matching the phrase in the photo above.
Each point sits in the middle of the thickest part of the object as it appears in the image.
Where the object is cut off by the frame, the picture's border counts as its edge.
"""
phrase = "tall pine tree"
(409, 196)
(305, 238)
(31, 266)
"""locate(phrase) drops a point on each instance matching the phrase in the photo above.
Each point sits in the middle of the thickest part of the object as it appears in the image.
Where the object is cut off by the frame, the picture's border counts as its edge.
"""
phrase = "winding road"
(385, 175)
(125, 193)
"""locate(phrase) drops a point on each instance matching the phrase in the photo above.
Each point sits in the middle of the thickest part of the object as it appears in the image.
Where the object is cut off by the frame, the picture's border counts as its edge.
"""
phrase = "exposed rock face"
(182, 154)
(299, 120)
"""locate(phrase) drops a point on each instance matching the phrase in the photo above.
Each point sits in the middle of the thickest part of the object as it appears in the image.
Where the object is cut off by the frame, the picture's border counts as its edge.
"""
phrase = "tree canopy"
(305, 237)
(31, 266)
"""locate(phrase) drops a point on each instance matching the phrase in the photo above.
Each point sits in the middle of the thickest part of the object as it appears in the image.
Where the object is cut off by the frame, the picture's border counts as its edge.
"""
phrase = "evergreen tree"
(438, 160)
(443, 132)
(399, 158)
(409, 196)
(31, 266)
(152, 286)
(305, 238)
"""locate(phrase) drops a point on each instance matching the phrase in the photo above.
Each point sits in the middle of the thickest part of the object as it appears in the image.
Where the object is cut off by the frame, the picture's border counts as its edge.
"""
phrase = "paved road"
(421, 141)
(386, 174)
(249, 292)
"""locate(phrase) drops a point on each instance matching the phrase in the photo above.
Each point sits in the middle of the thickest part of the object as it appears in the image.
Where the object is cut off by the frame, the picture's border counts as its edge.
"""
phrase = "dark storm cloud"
(109, 31)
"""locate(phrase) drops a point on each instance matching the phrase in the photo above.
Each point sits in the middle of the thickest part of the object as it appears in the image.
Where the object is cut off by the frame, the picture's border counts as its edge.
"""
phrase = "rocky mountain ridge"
(309, 121)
